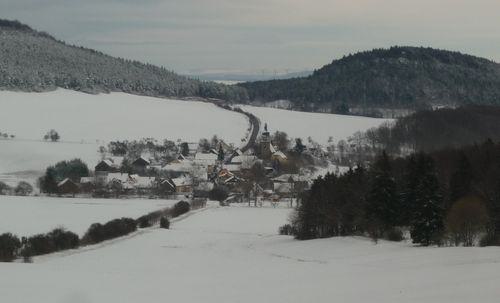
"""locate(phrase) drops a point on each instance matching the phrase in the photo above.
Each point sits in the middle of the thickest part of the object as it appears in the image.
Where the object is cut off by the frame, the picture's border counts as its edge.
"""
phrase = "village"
(198, 171)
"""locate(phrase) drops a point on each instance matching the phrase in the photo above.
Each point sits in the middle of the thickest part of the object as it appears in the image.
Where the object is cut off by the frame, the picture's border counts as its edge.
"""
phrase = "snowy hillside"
(233, 254)
(96, 119)
(316, 125)
(25, 216)
(78, 116)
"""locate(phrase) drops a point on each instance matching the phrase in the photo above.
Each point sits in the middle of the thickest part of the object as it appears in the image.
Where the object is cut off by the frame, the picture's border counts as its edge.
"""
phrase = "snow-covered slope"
(318, 126)
(97, 119)
(233, 254)
(25, 216)
(78, 116)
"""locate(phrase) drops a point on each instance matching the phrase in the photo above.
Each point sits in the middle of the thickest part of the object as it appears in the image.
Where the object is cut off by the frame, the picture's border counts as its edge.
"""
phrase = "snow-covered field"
(87, 121)
(234, 254)
(116, 116)
(318, 126)
(25, 216)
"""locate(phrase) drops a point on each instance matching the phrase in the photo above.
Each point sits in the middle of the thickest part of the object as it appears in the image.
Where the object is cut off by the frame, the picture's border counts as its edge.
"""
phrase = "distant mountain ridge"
(399, 77)
(35, 61)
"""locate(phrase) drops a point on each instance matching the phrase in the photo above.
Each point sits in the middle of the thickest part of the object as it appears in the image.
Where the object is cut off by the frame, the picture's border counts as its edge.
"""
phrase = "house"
(87, 184)
(140, 165)
(244, 161)
(279, 157)
(166, 187)
(183, 185)
(67, 186)
(208, 160)
(107, 165)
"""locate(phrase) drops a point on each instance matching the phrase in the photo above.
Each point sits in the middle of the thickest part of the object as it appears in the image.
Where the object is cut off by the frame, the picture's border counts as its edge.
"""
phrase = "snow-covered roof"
(87, 180)
(209, 157)
(64, 182)
(182, 181)
(286, 178)
(243, 158)
(178, 166)
(279, 154)
(282, 187)
(232, 167)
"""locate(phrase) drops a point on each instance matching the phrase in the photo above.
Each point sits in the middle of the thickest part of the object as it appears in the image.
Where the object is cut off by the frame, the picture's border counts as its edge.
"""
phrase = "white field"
(97, 119)
(318, 126)
(25, 216)
(234, 254)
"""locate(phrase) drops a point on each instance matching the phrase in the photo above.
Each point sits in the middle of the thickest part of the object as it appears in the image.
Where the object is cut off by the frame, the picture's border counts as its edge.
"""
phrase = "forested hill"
(35, 61)
(399, 77)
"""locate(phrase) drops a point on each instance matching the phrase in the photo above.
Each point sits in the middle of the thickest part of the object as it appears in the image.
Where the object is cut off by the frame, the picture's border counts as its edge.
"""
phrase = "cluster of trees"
(73, 169)
(22, 188)
(447, 197)
(6, 136)
(52, 135)
(35, 61)
(399, 77)
(431, 130)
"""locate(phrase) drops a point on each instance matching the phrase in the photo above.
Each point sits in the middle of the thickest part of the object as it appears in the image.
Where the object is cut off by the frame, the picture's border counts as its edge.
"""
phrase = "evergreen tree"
(461, 179)
(408, 194)
(220, 155)
(428, 211)
(383, 203)
(48, 183)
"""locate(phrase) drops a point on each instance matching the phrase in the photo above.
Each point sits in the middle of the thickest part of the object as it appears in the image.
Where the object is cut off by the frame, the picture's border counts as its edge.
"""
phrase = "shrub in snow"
(145, 221)
(466, 220)
(180, 208)
(286, 230)
(56, 240)
(219, 193)
(9, 245)
(394, 234)
(113, 229)
(164, 223)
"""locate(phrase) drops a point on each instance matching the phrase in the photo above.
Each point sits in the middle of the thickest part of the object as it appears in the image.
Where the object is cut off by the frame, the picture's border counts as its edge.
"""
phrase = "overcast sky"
(256, 35)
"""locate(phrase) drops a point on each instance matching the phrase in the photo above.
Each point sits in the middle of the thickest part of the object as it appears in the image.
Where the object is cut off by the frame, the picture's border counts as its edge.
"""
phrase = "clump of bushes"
(56, 240)
(9, 246)
(180, 208)
(287, 230)
(164, 223)
(394, 234)
(115, 228)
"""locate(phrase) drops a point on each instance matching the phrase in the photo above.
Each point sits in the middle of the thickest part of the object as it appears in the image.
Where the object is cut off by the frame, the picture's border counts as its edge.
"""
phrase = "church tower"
(265, 144)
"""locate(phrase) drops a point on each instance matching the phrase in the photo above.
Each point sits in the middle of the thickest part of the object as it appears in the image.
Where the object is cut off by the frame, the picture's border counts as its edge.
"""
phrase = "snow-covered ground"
(116, 116)
(234, 254)
(86, 122)
(318, 126)
(25, 216)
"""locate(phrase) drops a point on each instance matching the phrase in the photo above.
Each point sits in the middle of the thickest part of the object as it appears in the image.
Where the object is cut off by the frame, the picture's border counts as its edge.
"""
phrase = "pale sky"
(255, 35)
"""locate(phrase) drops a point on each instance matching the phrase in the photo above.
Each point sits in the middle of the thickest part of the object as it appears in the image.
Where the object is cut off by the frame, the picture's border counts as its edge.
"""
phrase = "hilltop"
(399, 77)
(35, 61)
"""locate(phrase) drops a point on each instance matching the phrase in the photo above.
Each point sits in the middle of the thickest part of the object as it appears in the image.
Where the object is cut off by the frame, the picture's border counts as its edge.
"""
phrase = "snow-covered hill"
(318, 126)
(87, 121)
(234, 254)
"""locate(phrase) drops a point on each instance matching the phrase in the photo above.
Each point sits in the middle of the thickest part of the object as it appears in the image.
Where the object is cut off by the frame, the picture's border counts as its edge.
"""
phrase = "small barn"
(67, 186)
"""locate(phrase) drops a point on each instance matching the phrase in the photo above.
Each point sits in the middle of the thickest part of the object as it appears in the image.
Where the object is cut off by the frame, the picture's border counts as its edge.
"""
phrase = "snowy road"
(234, 255)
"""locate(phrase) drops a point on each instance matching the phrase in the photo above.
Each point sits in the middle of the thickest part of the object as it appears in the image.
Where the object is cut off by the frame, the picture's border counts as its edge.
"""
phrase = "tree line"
(449, 197)
(431, 130)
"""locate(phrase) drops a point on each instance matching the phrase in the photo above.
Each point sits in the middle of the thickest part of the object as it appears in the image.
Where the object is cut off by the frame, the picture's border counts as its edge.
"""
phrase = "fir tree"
(428, 211)
(383, 204)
